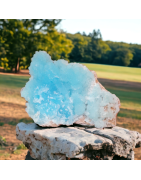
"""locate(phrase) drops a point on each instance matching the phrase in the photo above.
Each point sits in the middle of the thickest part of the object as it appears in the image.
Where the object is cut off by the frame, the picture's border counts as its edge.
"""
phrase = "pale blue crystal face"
(62, 92)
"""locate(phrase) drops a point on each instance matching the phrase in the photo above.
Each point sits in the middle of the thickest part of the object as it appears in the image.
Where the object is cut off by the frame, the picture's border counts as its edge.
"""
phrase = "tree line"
(20, 38)
(92, 49)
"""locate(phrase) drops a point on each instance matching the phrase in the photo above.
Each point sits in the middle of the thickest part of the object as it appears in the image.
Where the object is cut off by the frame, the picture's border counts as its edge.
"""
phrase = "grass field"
(116, 72)
(129, 95)
(124, 82)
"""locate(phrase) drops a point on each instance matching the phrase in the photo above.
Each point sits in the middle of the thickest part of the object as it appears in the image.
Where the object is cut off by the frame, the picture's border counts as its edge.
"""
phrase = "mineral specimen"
(62, 93)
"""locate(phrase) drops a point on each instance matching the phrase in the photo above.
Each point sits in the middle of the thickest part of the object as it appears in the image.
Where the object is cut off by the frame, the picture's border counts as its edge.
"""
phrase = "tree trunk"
(11, 69)
(17, 66)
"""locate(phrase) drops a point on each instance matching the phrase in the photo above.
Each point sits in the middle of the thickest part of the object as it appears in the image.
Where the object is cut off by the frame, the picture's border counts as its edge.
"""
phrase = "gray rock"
(78, 143)
(123, 140)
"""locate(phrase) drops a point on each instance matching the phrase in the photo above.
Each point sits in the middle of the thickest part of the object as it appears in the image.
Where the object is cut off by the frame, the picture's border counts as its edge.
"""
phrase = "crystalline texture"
(59, 93)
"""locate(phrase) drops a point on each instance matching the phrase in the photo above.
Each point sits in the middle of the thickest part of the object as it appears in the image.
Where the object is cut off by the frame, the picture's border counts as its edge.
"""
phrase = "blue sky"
(125, 30)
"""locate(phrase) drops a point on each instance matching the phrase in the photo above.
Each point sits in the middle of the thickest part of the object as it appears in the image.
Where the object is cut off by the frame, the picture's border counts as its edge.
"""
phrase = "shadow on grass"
(1, 123)
(127, 113)
(14, 123)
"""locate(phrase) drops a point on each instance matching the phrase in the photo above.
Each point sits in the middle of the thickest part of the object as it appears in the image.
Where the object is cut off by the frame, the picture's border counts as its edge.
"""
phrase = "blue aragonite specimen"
(62, 93)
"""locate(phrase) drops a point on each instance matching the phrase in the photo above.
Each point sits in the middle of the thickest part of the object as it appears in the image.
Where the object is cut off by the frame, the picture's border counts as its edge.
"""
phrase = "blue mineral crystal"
(62, 93)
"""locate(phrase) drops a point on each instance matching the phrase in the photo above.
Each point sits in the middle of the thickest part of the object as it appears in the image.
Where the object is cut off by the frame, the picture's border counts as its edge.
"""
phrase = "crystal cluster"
(62, 93)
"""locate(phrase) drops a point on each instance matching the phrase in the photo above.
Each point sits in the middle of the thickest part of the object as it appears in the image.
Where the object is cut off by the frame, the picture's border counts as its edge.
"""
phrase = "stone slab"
(77, 142)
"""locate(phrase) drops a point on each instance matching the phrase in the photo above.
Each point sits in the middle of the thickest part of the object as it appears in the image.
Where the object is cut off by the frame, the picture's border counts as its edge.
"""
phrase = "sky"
(119, 30)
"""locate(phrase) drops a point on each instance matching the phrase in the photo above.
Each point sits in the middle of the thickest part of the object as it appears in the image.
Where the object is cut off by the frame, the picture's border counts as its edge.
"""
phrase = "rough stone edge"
(129, 155)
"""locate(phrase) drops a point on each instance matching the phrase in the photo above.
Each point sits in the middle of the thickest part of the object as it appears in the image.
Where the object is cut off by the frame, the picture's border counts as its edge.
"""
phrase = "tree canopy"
(20, 38)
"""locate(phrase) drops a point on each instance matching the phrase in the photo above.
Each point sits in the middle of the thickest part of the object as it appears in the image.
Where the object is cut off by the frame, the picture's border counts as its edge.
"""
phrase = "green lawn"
(130, 98)
(13, 82)
(116, 72)
(10, 87)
